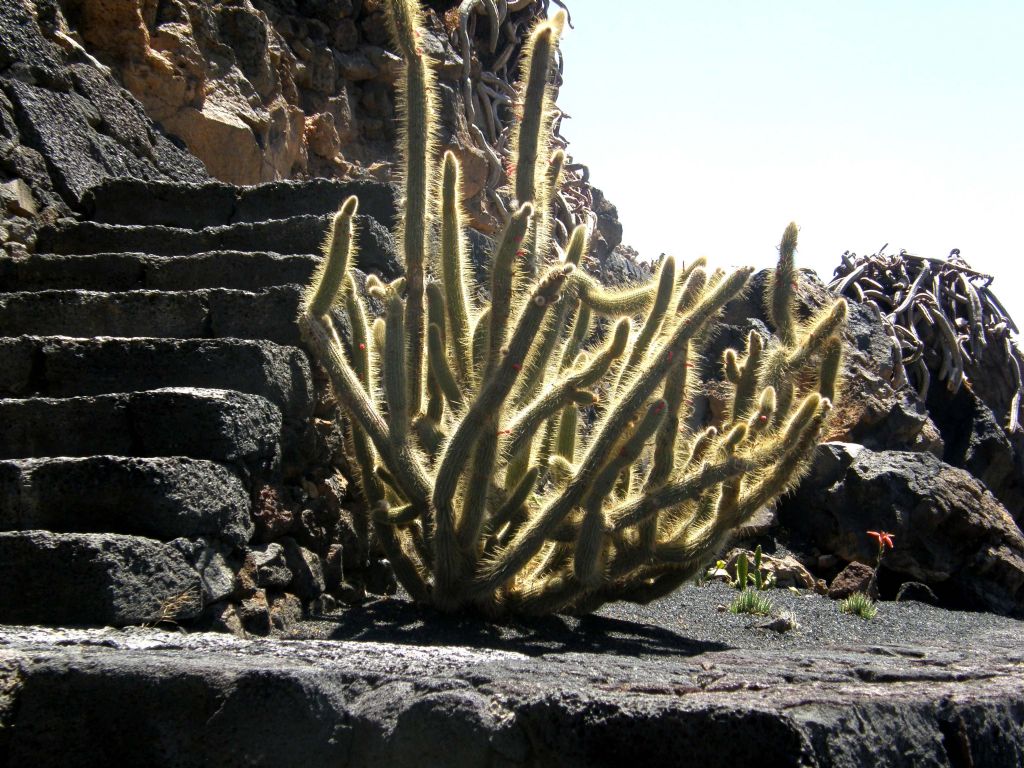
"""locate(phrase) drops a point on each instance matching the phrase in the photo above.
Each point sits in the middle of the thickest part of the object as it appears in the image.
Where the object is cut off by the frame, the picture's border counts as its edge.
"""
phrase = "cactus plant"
(508, 463)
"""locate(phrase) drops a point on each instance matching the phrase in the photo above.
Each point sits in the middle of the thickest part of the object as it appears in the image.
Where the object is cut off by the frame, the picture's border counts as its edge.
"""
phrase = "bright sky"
(712, 125)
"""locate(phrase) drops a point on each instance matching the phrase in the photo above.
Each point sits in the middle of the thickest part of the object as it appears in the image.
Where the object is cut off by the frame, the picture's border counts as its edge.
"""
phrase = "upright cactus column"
(483, 483)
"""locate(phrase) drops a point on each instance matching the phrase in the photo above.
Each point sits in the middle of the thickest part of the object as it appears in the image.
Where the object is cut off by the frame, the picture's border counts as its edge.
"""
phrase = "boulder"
(950, 532)
(855, 577)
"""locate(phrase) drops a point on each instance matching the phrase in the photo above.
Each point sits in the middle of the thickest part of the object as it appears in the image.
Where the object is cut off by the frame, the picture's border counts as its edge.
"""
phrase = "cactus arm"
(516, 499)
(352, 396)
(526, 423)
(417, 143)
(480, 341)
(502, 278)
(746, 382)
(544, 351)
(782, 289)
(580, 332)
(395, 385)
(656, 315)
(531, 134)
(454, 271)
(439, 367)
(689, 487)
(665, 442)
(701, 445)
(474, 507)
(786, 472)
(565, 440)
(826, 324)
(614, 302)
(590, 545)
(333, 268)
(362, 362)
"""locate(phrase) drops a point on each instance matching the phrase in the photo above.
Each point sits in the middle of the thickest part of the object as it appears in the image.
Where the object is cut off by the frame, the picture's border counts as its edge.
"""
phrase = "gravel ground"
(690, 621)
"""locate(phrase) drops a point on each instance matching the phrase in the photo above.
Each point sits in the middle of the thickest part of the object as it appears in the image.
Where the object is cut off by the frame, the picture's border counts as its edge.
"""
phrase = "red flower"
(883, 537)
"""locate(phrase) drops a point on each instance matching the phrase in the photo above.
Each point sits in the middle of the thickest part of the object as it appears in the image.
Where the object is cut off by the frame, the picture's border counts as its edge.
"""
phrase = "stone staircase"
(158, 459)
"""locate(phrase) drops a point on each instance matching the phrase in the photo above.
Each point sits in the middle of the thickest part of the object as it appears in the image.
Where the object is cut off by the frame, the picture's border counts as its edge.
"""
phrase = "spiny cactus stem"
(483, 415)
(537, 64)
(439, 368)
(395, 385)
(543, 352)
(665, 442)
(826, 324)
(417, 93)
(350, 393)
(687, 488)
(696, 280)
(831, 364)
(333, 269)
(580, 332)
(516, 499)
(666, 285)
(528, 421)
(454, 271)
(784, 472)
(614, 302)
(746, 384)
(502, 274)
(782, 288)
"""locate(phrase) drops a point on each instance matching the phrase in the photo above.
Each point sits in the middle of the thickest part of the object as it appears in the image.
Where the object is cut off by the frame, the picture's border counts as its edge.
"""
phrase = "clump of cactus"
(514, 457)
(758, 577)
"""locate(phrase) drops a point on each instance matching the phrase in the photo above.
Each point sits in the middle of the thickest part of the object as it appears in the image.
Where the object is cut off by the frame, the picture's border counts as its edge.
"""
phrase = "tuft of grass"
(752, 601)
(859, 604)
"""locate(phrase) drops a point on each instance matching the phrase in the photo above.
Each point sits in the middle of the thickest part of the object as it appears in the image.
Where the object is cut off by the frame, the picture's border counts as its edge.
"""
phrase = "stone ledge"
(215, 424)
(91, 578)
(381, 703)
(160, 498)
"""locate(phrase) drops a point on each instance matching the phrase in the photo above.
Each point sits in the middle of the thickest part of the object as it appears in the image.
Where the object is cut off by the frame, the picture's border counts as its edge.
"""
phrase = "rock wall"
(66, 124)
(255, 90)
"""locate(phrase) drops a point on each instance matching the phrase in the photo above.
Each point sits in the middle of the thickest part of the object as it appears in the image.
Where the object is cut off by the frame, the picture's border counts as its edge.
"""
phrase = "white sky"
(712, 125)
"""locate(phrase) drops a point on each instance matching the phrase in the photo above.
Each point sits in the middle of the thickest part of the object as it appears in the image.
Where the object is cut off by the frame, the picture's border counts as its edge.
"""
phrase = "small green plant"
(744, 576)
(513, 459)
(752, 601)
(859, 604)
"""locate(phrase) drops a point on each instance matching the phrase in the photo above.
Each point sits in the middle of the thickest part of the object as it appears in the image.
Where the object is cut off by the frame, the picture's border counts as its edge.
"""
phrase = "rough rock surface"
(65, 122)
(161, 498)
(671, 683)
(950, 532)
(94, 579)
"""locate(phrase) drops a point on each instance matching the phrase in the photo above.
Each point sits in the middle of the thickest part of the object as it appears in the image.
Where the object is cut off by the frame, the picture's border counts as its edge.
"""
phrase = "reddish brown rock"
(856, 577)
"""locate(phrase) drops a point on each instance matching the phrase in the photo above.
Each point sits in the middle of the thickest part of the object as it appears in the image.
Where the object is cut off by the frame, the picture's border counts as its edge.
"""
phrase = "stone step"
(295, 235)
(241, 270)
(63, 367)
(94, 579)
(209, 313)
(214, 424)
(215, 204)
(160, 498)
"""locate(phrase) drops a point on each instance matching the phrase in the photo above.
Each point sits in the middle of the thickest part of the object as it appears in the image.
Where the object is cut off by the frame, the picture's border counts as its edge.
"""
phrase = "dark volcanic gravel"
(691, 620)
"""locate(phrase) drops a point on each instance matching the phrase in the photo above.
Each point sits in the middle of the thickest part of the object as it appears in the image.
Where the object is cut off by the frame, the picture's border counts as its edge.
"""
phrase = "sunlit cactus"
(514, 457)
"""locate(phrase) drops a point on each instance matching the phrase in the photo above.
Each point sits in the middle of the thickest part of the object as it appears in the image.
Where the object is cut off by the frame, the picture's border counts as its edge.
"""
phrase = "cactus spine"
(484, 485)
